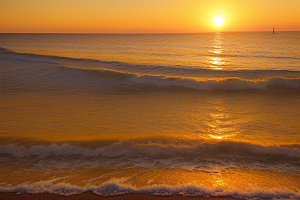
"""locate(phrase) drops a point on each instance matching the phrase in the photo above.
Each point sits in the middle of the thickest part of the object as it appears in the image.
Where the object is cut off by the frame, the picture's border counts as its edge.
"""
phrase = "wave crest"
(204, 156)
(88, 73)
(114, 188)
(131, 79)
(151, 150)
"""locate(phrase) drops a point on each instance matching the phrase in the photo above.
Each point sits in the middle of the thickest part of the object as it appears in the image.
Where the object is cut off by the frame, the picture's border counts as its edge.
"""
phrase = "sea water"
(208, 114)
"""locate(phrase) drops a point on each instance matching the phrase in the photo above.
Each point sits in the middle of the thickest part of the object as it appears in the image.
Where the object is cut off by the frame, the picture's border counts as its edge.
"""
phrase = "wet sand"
(92, 196)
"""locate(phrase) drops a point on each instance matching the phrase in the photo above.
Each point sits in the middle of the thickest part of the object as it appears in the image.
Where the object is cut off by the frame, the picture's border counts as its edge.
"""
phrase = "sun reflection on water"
(215, 62)
(220, 182)
(220, 125)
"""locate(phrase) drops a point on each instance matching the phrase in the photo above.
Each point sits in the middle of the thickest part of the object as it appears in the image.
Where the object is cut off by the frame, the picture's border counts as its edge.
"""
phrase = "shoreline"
(91, 196)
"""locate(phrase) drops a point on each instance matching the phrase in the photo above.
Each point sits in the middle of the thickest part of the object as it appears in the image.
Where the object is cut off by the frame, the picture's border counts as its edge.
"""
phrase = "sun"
(218, 21)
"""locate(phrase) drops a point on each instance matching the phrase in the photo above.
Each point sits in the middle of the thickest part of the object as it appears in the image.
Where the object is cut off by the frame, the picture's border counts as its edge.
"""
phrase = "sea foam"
(114, 188)
(206, 156)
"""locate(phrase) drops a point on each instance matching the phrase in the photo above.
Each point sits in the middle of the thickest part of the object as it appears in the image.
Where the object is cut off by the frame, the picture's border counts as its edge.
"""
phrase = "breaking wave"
(85, 73)
(151, 155)
(195, 83)
(150, 150)
(114, 188)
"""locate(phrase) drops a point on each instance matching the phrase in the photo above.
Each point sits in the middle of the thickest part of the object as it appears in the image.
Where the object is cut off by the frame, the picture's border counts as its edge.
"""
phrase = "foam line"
(114, 188)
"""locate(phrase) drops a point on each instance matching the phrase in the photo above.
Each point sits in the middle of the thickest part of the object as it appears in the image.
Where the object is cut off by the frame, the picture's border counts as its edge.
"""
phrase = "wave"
(114, 188)
(196, 83)
(152, 155)
(85, 73)
(150, 149)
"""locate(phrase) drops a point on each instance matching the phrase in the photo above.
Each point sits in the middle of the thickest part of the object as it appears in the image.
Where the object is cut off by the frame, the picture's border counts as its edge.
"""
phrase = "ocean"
(208, 114)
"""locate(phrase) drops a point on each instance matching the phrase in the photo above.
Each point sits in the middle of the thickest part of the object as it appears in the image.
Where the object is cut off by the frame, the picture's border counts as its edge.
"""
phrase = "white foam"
(204, 156)
(114, 188)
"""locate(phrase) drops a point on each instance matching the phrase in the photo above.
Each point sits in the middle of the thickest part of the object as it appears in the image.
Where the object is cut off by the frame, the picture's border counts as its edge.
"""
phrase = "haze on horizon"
(147, 16)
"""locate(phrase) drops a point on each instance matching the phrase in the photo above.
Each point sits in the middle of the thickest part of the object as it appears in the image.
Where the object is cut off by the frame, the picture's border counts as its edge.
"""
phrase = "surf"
(101, 73)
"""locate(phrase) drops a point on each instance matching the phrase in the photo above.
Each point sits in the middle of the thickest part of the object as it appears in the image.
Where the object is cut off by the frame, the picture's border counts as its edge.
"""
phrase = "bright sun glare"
(218, 21)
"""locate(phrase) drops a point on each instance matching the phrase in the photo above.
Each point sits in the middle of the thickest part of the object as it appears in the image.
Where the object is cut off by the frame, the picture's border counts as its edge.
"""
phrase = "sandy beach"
(92, 196)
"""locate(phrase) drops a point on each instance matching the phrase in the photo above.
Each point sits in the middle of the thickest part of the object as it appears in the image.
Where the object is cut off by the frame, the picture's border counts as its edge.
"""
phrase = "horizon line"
(146, 33)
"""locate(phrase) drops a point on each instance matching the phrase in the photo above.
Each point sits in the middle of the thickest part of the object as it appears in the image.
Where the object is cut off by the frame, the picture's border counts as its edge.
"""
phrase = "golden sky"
(147, 16)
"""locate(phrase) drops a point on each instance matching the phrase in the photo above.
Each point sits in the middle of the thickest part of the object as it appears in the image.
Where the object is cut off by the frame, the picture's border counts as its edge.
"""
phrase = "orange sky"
(147, 16)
